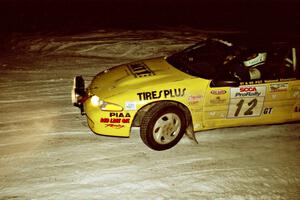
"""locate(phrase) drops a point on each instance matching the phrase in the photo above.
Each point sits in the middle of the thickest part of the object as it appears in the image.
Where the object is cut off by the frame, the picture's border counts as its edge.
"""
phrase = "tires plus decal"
(140, 70)
(171, 93)
(116, 118)
(246, 101)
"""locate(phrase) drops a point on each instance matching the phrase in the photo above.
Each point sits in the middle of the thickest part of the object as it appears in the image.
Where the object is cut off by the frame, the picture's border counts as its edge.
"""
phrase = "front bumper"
(100, 121)
(78, 93)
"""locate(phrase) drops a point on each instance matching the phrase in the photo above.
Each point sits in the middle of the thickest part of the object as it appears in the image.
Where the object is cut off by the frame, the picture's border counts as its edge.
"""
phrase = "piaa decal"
(116, 118)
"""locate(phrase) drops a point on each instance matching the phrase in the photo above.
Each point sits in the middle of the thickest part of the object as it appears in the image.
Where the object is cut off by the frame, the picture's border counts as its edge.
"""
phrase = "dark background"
(66, 16)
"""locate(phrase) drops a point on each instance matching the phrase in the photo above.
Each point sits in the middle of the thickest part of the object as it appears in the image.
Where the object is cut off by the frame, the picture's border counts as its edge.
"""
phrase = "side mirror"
(219, 83)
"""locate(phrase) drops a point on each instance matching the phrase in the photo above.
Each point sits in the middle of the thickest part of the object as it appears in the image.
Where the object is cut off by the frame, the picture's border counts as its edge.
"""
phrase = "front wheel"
(163, 126)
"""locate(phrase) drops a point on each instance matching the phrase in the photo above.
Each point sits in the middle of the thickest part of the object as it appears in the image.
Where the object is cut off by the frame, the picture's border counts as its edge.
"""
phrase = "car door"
(284, 95)
(215, 106)
(291, 73)
(274, 98)
(295, 93)
(234, 106)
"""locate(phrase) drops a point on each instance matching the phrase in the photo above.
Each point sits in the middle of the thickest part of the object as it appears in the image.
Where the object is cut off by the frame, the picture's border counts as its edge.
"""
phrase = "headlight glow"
(105, 106)
(95, 100)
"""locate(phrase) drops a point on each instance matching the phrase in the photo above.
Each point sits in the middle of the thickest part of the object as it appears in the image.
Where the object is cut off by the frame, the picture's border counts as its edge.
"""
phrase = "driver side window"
(288, 68)
(281, 64)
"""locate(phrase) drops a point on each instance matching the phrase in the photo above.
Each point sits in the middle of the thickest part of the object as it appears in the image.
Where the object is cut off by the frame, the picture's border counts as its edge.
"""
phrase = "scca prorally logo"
(248, 92)
(248, 89)
(171, 93)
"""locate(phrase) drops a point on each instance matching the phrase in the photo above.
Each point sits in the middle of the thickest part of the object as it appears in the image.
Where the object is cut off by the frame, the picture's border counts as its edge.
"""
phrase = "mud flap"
(191, 134)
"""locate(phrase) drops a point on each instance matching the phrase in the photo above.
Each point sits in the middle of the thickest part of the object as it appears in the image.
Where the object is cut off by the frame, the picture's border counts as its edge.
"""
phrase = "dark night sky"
(77, 15)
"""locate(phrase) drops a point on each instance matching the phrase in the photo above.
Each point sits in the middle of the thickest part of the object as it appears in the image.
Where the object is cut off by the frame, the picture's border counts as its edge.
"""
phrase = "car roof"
(261, 41)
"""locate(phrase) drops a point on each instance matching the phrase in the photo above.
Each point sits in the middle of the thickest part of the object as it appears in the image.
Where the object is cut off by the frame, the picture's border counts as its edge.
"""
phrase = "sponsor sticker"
(246, 101)
(170, 93)
(194, 99)
(218, 92)
(116, 126)
(130, 105)
(217, 100)
(116, 118)
(248, 91)
(252, 82)
(279, 87)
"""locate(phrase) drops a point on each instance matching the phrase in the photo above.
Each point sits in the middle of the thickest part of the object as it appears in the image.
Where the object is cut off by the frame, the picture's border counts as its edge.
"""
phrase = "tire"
(162, 126)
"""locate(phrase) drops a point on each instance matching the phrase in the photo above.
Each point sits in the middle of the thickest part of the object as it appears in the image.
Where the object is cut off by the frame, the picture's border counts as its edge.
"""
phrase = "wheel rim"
(166, 128)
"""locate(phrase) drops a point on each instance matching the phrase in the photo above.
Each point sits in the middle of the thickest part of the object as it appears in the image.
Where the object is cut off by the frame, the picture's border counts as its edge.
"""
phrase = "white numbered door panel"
(246, 101)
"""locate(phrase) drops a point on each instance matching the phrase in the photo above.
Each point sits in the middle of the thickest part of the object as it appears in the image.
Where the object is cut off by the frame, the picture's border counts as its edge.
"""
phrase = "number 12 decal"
(251, 105)
(246, 101)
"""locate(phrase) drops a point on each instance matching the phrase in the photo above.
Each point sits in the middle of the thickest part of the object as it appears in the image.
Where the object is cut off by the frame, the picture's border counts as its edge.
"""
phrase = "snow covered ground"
(48, 152)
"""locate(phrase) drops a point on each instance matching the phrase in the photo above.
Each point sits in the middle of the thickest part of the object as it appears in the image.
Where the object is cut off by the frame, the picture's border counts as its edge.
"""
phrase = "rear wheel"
(163, 126)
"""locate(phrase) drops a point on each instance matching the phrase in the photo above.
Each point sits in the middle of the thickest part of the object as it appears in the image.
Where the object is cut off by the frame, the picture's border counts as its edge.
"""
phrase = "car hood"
(134, 76)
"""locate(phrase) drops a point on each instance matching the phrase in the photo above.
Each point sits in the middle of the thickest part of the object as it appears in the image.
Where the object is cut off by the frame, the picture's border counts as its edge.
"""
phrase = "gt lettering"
(267, 111)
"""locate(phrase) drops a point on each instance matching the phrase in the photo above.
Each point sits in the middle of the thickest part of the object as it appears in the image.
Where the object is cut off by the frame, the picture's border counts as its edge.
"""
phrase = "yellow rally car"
(212, 84)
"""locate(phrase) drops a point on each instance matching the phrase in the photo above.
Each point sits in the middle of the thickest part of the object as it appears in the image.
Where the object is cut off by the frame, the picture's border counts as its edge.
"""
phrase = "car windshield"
(204, 59)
